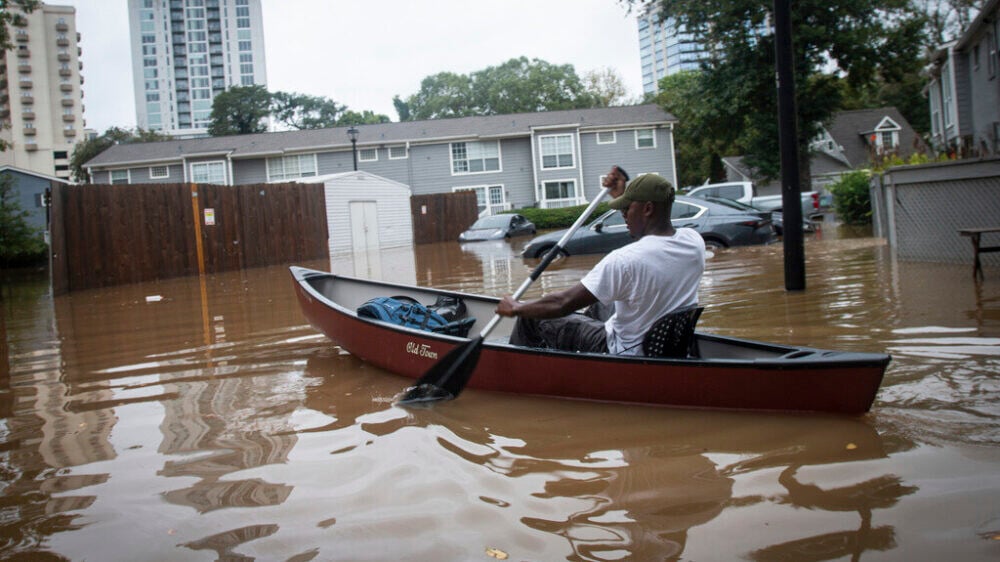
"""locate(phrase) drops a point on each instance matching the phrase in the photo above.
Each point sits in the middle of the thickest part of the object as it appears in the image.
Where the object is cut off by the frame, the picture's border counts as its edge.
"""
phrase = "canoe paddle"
(446, 378)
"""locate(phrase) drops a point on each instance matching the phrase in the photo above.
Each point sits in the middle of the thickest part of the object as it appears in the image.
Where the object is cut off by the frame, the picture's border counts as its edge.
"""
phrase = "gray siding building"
(964, 88)
(549, 159)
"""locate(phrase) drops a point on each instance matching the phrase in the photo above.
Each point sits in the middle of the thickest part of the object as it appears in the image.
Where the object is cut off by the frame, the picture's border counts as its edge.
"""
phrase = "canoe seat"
(673, 334)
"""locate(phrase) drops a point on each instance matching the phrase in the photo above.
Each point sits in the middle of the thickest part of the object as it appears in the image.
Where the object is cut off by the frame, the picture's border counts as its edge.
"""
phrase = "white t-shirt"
(647, 279)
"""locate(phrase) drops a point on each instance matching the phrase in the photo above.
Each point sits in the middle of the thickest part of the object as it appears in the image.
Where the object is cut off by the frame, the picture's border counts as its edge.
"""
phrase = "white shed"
(365, 212)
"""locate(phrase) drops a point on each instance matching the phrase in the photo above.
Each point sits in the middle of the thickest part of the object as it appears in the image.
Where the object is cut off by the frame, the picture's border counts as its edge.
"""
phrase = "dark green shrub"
(852, 198)
(558, 218)
(20, 243)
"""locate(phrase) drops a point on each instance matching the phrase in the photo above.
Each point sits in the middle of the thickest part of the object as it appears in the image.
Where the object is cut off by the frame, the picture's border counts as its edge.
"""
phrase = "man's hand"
(506, 306)
(615, 182)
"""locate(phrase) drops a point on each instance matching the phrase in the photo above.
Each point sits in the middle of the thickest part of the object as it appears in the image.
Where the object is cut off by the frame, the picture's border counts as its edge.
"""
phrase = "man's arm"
(553, 305)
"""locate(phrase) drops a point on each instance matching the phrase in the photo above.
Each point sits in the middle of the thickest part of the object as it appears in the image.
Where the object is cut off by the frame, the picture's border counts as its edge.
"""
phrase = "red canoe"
(731, 373)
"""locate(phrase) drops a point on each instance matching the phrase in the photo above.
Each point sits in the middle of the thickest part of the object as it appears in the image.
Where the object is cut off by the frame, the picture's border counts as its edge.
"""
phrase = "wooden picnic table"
(974, 235)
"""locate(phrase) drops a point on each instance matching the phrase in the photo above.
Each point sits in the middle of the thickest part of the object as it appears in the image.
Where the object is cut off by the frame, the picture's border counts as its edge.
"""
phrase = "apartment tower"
(41, 95)
(185, 52)
(665, 47)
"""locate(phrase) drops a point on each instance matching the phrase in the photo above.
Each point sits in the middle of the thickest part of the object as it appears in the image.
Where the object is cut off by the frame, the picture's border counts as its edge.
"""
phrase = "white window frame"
(406, 152)
(614, 137)
(484, 198)
(280, 168)
(111, 176)
(554, 141)
(209, 165)
(452, 161)
(547, 203)
(369, 151)
(155, 176)
(652, 137)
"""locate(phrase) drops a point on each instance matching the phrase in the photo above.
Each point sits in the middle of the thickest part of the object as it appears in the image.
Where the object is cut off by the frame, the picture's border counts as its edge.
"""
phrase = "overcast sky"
(361, 53)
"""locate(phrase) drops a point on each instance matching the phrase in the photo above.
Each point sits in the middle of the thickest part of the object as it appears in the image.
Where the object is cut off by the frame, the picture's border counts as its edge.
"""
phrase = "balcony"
(28, 115)
(29, 131)
(65, 72)
(24, 68)
(63, 57)
(22, 36)
(26, 84)
(4, 112)
(27, 100)
(69, 132)
(62, 26)
(69, 117)
(31, 146)
(62, 42)
(67, 102)
(66, 87)
(23, 52)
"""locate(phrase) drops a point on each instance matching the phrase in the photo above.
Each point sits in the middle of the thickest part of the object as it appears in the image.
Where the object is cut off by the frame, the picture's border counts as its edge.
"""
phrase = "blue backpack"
(405, 311)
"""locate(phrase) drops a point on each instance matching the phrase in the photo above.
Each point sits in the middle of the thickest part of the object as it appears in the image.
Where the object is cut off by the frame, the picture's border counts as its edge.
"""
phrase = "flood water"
(203, 419)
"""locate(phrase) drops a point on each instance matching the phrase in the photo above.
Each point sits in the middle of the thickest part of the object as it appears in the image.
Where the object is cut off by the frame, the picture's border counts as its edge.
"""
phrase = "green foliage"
(519, 85)
(703, 134)
(852, 198)
(863, 39)
(86, 150)
(606, 87)
(240, 110)
(558, 218)
(20, 243)
(300, 111)
(366, 117)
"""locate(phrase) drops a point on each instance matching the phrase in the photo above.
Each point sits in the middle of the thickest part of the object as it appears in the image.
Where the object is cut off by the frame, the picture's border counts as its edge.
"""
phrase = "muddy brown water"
(203, 419)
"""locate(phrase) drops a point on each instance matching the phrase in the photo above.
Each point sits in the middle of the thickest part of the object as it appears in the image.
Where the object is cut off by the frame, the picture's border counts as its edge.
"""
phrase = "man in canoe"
(658, 273)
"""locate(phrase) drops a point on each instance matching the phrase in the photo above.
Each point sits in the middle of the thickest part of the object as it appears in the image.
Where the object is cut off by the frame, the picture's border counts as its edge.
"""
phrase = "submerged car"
(496, 227)
(777, 218)
(720, 225)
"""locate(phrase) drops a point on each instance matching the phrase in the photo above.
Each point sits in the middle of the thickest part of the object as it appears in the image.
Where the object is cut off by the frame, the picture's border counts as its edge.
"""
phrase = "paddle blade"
(446, 378)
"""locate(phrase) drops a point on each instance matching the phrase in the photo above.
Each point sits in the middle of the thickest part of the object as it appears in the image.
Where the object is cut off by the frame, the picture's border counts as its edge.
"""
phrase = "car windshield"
(492, 221)
(610, 218)
(731, 203)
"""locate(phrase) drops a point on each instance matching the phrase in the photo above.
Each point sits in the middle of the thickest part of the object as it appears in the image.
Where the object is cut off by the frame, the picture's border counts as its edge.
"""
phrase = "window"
(991, 54)
(119, 176)
(606, 137)
(209, 172)
(398, 152)
(559, 193)
(645, 138)
(368, 155)
(490, 199)
(556, 151)
(475, 157)
(159, 172)
(291, 167)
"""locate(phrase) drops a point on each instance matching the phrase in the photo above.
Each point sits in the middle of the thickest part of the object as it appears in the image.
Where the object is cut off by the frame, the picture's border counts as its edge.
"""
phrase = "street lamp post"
(353, 134)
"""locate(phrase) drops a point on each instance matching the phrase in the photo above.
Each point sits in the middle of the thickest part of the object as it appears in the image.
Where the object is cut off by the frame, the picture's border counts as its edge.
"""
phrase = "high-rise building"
(185, 52)
(41, 96)
(665, 47)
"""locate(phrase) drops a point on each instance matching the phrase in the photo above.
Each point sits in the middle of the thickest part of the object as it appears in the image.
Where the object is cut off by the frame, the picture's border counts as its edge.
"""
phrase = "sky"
(361, 53)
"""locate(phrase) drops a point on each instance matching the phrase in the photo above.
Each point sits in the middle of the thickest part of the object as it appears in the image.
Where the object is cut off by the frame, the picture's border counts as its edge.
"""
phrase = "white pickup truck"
(744, 192)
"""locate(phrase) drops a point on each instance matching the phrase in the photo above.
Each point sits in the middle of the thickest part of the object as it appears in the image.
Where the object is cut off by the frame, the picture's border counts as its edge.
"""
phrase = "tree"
(847, 35)
(516, 86)
(402, 108)
(11, 16)
(19, 242)
(366, 117)
(88, 149)
(301, 111)
(701, 137)
(240, 110)
(606, 87)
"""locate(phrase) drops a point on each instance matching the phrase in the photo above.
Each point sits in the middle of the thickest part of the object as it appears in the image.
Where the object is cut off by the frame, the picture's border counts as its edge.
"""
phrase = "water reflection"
(202, 416)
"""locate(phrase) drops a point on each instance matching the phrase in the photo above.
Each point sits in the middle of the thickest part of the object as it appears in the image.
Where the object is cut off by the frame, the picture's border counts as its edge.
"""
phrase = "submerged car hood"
(482, 234)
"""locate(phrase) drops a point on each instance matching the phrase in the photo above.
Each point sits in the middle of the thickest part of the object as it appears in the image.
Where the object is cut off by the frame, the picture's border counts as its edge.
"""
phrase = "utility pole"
(791, 191)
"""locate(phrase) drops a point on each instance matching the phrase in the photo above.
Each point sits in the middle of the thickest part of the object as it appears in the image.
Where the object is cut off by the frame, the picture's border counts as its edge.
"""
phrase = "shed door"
(364, 225)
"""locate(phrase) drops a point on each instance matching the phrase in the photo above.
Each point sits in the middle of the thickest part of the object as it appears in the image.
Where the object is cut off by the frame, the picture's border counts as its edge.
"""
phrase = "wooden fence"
(441, 217)
(105, 235)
